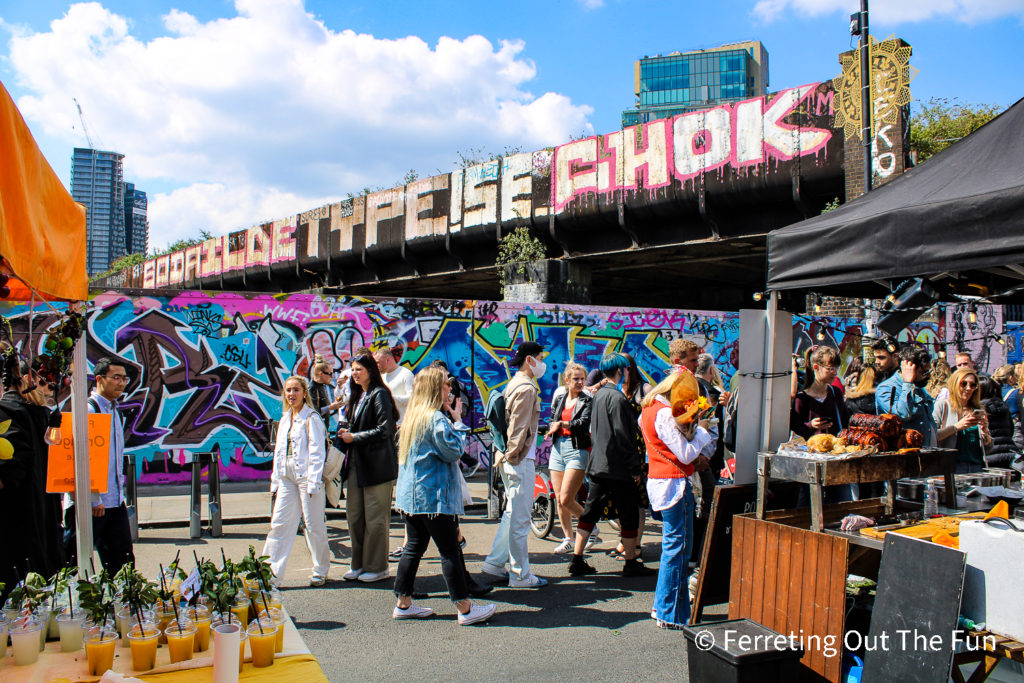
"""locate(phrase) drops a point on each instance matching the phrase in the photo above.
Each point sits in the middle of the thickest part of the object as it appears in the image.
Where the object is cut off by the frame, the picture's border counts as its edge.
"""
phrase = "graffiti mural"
(207, 369)
(752, 145)
(974, 332)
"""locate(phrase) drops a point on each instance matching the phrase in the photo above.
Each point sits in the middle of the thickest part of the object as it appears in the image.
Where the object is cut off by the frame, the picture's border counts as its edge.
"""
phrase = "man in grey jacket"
(516, 466)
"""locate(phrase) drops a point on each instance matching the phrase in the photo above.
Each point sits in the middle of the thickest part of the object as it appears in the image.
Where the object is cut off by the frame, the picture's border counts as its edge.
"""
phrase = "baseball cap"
(525, 349)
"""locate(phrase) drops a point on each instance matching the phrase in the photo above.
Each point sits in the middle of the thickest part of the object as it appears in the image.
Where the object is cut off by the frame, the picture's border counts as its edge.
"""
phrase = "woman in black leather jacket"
(373, 469)
(570, 443)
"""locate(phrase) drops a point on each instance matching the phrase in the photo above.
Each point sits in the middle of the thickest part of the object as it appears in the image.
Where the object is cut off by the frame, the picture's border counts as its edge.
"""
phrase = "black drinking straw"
(174, 603)
(71, 601)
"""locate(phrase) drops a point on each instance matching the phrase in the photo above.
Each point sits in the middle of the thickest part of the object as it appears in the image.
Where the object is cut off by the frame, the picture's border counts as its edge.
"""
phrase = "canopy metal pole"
(865, 93)
(80, 425)
(769, 367)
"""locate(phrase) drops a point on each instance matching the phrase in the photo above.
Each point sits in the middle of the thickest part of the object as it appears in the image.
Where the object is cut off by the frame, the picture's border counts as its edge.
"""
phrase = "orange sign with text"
(60, 471)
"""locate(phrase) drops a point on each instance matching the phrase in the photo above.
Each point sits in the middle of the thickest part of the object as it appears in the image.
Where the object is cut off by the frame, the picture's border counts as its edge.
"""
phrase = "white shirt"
(664, 493)
(343, 390)
(114, 495)
(399, 381)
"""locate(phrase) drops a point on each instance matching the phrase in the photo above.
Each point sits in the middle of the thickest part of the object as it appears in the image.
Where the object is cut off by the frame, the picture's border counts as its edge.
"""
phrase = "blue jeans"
(672, 595)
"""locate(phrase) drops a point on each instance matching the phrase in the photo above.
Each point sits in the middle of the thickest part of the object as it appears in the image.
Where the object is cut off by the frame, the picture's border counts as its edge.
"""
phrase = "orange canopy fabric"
(42, 230)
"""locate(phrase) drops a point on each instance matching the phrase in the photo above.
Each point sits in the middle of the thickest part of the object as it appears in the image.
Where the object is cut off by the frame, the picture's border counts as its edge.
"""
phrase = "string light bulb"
(817, 304)
(999, 339)
(942, 354)
(758, 296)
(972, 313)
(821, 334)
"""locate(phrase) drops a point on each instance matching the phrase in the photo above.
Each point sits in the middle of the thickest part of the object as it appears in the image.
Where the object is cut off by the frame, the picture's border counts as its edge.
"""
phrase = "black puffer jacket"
(1003, 450)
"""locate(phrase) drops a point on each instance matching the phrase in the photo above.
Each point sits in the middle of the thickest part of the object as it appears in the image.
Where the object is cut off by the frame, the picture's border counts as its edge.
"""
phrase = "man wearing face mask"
(516, 466)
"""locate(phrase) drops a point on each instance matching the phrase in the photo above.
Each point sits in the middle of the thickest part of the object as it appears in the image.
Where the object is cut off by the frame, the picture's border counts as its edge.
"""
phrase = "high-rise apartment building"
(136, 224)
(97, 182)
(667, 85)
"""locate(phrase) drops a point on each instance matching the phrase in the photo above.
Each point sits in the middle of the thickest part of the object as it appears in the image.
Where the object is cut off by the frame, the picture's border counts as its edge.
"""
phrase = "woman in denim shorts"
(570, 447)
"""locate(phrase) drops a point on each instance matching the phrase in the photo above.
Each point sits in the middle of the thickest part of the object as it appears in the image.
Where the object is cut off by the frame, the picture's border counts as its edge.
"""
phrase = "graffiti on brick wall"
(668, 162)
(207, 369)
(850, 337)
(976, 336)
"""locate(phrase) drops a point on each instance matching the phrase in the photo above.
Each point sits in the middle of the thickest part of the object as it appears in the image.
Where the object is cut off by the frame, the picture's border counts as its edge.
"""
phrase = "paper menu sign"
(60, 469)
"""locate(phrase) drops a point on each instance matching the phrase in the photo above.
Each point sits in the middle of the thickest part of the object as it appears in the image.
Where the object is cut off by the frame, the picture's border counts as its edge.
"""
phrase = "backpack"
(497, 424)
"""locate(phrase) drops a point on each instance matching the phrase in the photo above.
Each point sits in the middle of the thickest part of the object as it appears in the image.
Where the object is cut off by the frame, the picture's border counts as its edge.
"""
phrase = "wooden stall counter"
(818, 472)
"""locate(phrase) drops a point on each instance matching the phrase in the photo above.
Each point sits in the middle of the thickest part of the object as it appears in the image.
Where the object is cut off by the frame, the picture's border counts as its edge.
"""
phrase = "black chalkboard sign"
(716, 555)
(915, 612)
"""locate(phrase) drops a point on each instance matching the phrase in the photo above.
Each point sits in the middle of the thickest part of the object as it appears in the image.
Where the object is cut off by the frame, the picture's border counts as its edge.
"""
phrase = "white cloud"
(895, 11)
(219, 208)
(272, 98)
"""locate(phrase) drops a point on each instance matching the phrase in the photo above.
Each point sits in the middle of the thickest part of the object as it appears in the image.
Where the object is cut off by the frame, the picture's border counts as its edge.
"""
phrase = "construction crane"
(81, 117)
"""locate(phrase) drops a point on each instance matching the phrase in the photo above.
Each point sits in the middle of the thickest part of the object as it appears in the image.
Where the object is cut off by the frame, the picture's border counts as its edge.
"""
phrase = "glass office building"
(97, 183)
(667, 85)
(136, 223)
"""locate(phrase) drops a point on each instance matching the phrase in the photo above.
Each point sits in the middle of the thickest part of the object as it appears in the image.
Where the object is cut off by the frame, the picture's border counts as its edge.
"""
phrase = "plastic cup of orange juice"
(277, 616)
(202, 618)
(143, 643)
(262, 637)
(181, 637)
(240, 608)
(99, 649)
(163, 614)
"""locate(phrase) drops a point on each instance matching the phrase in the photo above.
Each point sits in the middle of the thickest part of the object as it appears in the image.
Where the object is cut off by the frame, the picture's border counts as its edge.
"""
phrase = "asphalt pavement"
(595, 628)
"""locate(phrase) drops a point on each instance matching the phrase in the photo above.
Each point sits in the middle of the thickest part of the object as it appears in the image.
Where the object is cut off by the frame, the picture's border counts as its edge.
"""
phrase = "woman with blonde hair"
(299, 456)
(937, 381)
(860, 397)
(429, 495)
(962, 422)
(674, 455)
(570, 444)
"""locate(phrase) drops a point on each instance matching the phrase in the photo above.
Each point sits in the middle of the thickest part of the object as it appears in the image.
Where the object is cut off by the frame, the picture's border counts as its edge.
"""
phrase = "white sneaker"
(371, 577)
(477, 613)
(532, 581)
(491, 571)
(317, 581)
(352, 574)
(412, 612)
(593, 540)
(566, 546)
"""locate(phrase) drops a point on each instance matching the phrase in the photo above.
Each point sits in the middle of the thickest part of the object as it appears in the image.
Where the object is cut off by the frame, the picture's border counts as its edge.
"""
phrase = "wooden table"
(888, 467)
(991, 649)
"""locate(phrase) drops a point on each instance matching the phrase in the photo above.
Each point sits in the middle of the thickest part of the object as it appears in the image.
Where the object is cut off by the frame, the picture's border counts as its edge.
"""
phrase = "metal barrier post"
(131, 496)
(214, 484)
(195, 516)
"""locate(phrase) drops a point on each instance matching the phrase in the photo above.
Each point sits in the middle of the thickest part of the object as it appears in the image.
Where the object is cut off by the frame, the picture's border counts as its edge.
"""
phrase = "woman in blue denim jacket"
(429, 495)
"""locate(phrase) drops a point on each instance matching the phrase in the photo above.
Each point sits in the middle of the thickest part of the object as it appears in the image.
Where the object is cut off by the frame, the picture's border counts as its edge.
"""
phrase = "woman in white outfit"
(298, 467)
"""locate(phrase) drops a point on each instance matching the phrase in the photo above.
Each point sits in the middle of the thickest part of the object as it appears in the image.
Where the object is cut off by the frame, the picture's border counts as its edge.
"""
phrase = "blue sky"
(231, 113)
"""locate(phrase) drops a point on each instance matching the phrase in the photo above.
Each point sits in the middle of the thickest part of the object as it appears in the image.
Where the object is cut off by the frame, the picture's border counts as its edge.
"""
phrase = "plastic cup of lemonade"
(181, 636)
(72, 630)
(262, 637)
(100, 642)
(143, 641)
(25, 640)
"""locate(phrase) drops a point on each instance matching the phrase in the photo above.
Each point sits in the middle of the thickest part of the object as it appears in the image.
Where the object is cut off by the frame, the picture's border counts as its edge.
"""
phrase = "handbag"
(331, 476)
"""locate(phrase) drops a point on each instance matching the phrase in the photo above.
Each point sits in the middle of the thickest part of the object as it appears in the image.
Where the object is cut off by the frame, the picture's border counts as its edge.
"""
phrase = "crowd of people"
(953, 407)
(617, 451)
(613, 436)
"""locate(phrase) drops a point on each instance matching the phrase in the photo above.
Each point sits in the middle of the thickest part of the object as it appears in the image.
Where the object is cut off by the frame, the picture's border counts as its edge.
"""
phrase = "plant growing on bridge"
(518, 247)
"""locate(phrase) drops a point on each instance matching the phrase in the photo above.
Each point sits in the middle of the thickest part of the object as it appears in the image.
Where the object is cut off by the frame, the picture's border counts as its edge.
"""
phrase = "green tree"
(941, 122)
(518, 247)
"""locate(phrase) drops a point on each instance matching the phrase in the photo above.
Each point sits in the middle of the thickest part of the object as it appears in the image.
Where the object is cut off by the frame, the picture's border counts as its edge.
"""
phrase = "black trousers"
(444, 530)
(627, 501)
(111, 535)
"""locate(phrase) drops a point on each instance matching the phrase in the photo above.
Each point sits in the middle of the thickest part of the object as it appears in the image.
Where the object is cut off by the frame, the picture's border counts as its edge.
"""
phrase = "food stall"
(953, 222)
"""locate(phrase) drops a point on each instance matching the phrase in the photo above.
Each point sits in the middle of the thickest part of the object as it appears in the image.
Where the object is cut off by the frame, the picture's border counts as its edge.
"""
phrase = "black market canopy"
(957, 220)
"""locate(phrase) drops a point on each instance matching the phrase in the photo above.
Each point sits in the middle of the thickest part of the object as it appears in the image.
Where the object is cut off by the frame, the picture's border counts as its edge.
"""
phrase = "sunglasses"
(969, 385)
